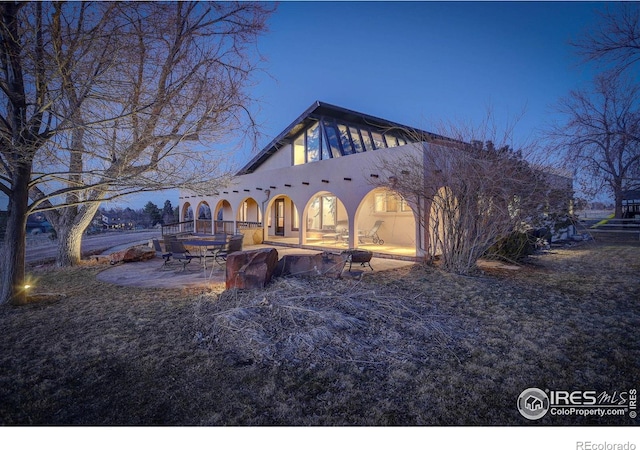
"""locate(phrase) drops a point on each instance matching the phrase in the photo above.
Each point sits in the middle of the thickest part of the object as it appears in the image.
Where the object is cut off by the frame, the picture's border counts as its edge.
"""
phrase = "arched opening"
(326, 221)
(249, 211)
(223, 220)
(249, 221)
(282, 220)
(187, 212)
(385, 223)
(203, 220)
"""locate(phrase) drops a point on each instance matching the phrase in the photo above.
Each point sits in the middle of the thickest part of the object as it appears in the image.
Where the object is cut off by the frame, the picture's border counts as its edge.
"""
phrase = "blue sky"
(417, 63)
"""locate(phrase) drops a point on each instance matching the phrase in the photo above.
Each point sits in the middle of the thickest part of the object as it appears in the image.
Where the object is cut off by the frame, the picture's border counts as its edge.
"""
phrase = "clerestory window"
(326, 138)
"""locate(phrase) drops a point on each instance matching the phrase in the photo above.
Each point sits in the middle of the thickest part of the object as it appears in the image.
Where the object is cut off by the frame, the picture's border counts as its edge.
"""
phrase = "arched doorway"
(282, 220)
(385, 222)
(326, 221)
(223, 221)
(249, 221)
(249, 211)
(187, 212)
(203, 220)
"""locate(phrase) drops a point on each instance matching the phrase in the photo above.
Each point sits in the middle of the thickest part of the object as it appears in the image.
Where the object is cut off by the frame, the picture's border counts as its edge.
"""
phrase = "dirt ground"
(410, 346)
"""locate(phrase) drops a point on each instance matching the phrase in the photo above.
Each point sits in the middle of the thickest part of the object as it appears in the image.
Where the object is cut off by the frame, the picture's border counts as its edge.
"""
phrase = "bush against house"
(468, 197)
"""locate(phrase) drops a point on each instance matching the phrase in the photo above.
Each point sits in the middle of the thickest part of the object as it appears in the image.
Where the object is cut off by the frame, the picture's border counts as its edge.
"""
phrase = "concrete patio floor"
(151, 274)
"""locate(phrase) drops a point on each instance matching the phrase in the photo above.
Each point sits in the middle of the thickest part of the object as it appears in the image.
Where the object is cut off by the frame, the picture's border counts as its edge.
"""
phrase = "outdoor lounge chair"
(371, 234)
(180, 253)
(166, 256)
(234, 245)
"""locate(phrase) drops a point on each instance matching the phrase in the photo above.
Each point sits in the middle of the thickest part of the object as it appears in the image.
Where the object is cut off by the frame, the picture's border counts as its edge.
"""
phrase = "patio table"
(203, 245)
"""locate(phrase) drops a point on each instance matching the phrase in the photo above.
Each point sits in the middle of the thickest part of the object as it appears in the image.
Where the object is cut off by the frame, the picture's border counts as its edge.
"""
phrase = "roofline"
(321, 108)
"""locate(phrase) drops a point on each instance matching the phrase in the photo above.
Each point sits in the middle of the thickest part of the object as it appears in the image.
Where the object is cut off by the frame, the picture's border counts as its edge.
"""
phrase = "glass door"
(279, 205)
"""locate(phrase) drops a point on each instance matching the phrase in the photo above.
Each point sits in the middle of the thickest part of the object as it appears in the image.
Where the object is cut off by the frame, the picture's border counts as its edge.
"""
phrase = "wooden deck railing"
(178, 227)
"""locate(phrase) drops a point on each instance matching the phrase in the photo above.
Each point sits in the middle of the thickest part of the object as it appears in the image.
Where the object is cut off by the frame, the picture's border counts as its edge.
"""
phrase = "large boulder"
(132, 254)
(250, 269)
(320, 264)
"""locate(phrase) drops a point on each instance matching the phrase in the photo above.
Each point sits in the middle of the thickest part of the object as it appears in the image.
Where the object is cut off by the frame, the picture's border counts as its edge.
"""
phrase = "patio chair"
(234, 245)
(166, 256)
(371, 234)
(180, 253)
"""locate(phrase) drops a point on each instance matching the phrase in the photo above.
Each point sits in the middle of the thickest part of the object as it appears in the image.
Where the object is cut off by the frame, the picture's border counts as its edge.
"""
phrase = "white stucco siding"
(349, 178)
(280, 159)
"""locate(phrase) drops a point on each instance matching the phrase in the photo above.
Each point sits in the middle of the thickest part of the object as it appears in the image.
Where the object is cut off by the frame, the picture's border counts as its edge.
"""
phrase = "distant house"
(114, 222)
(314, 185)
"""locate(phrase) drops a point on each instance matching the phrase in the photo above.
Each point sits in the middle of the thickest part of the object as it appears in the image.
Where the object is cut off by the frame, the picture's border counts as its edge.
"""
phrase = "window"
(326, 138)
(332, 141)
(322, 212)
(244, 211)
(391, 140)
(380, 203)
(313, 143)
(299, 153)
(345, 140)
(357, 142)
(404, 206)
(366, 139)
(386, 202)
(378, 140)
(295, 221)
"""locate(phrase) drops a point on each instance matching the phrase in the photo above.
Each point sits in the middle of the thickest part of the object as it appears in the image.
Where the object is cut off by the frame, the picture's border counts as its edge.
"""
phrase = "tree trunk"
(617, 198)
(14, 249)
(70, 235)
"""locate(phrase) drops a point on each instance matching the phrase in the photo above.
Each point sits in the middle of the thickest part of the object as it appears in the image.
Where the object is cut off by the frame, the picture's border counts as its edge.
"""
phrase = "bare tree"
(601, 136)
(134, 89)
(617, 38)
(180, 82)
(467, 196)
(30, 116)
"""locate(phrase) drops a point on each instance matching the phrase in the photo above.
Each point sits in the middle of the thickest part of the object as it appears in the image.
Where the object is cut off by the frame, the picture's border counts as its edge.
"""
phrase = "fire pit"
(358, 256)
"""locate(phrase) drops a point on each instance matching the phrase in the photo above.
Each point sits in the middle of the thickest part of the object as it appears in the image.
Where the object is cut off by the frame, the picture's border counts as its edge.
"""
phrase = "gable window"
(358, 145)
(313, 143)
(378, 140)
(327, 138)
(299, 151)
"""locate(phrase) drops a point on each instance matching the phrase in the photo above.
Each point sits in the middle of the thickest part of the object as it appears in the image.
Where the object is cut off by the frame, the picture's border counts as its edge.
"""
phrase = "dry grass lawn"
(413, 346)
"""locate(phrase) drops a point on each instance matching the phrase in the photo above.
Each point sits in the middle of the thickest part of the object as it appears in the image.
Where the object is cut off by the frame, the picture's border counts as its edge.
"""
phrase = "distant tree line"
(147, 217)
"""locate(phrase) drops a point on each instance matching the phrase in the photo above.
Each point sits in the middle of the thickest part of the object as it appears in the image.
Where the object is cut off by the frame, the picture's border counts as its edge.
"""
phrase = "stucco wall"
(349, 178)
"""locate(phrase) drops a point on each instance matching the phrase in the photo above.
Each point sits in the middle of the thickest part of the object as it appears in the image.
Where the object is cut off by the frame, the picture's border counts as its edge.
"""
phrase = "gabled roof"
(315, 112)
